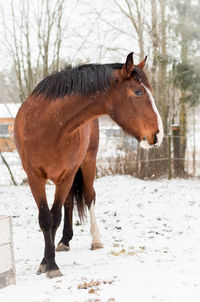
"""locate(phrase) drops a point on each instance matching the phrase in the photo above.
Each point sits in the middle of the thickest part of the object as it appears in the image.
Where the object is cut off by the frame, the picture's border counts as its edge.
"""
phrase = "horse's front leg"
(62, 190)
(48, 264)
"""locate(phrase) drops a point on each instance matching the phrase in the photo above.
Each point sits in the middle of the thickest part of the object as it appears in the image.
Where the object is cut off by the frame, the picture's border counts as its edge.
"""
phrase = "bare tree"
(34, 40)
(134, 11)
(8, 167)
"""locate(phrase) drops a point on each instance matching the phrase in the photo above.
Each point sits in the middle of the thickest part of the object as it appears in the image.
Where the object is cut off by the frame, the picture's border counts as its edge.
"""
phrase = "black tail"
(78, 188)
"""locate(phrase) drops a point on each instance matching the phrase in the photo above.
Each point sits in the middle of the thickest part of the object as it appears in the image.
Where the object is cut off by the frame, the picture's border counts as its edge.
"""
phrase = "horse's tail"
(78, 187)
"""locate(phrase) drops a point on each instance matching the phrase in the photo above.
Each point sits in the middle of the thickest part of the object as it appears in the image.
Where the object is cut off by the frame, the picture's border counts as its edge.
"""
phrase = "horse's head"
(132, 105)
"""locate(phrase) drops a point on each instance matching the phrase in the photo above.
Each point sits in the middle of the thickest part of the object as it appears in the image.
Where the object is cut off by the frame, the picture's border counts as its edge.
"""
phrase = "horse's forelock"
(140, 76)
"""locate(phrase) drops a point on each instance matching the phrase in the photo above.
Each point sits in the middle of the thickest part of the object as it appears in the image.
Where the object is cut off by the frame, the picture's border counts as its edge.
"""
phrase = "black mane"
(83, 80)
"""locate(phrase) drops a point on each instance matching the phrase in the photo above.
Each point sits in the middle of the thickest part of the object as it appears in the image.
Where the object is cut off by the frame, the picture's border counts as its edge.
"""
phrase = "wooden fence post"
(176, 149)
(169, 158)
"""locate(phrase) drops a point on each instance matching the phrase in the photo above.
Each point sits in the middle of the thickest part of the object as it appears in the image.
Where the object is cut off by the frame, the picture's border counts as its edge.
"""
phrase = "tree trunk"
(183, 106)
(158, 158)
(9, 170)
(155, 43)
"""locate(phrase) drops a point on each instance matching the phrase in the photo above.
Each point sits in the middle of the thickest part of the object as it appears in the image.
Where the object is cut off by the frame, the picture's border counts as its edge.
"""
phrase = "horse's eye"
(139, 93)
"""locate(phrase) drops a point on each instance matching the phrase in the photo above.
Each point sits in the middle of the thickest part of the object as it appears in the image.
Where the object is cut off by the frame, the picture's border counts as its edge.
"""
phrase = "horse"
(57, 135)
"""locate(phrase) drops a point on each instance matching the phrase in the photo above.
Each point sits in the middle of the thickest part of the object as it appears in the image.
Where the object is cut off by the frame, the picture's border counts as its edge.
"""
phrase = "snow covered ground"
(151, 236)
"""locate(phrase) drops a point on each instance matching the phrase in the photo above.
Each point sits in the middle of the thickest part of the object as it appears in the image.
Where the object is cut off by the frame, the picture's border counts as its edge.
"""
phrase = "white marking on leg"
(94, 230)
(159, 121)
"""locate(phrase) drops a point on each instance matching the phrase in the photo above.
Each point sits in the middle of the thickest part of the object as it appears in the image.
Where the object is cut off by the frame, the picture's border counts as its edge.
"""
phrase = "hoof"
(42, 269)
(62, 248)
(53, 274)
(96, 246)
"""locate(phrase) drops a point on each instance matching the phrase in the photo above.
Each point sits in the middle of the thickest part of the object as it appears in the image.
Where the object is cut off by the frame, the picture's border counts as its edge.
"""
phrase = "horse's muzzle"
(147, 144)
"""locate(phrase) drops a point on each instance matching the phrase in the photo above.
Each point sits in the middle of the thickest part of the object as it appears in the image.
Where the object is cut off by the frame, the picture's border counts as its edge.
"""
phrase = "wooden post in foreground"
(7, 264)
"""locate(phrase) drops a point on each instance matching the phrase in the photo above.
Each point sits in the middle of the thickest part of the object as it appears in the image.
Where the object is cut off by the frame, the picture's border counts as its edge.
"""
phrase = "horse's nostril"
(155, 139)
(144, 138)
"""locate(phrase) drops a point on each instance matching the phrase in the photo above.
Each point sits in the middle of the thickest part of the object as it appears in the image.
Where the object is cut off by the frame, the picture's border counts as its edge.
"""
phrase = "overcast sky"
(85, 38)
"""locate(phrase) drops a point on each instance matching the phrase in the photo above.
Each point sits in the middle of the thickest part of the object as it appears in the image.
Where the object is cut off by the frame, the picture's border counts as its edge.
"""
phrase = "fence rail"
(116, 157)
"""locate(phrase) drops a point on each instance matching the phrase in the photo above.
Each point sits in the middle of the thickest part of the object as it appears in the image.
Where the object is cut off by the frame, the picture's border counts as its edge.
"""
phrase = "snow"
(151, 236)
(9, 110)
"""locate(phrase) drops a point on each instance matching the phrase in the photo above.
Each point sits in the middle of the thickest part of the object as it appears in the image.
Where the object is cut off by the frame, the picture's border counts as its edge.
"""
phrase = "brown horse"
(57, 135)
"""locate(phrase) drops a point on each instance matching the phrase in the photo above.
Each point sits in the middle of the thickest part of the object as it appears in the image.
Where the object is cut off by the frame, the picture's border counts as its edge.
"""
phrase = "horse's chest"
(74, 146)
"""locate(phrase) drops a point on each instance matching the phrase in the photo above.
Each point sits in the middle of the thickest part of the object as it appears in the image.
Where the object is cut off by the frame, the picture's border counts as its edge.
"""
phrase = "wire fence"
(172, 159)
(117, 155)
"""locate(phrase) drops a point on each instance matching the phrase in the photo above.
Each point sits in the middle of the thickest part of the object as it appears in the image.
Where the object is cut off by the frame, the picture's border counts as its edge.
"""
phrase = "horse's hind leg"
(94, 230)
(48, 264)
(67, 230)
(88, 168)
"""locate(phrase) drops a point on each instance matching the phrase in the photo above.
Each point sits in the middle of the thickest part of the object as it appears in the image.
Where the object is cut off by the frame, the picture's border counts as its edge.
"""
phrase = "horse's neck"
(80, 110)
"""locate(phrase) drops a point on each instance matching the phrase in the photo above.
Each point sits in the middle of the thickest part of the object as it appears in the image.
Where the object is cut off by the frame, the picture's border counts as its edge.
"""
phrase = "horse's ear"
(128, 66)
(142, 63)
